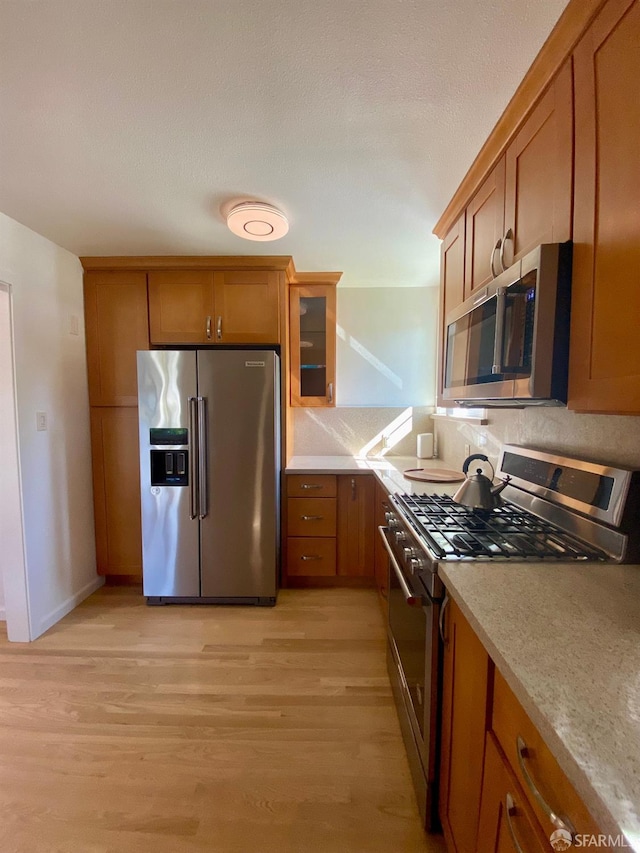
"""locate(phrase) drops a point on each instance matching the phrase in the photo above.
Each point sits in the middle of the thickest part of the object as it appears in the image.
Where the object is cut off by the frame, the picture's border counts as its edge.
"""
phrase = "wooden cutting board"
(434, 475)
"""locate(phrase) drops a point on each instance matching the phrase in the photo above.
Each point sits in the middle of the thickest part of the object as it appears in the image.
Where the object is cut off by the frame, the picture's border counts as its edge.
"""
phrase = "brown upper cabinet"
(526, 198)
(484, 221)
(117, 325)
(538, 175)
(312, 330)
(604, 374)
(214, 307)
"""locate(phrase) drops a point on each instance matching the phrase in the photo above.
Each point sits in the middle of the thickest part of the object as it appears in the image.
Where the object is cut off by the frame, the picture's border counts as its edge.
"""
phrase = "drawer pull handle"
(445, 602)
(312, 517)
(559, 821)
(306, 557)
(511, 811)
(311, 486)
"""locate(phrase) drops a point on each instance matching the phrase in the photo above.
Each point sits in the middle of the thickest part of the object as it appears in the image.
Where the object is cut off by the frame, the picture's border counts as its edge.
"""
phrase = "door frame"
(13, 568)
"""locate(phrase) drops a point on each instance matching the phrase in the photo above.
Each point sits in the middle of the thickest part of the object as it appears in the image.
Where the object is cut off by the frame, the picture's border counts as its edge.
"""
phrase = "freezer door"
(239, 531)
(170, 541)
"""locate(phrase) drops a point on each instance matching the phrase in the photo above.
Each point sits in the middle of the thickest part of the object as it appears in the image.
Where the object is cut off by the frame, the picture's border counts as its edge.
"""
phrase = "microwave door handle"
(501, 299)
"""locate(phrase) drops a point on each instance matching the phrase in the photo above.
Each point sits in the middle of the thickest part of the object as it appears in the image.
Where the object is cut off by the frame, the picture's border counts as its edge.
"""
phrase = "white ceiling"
(127, 125)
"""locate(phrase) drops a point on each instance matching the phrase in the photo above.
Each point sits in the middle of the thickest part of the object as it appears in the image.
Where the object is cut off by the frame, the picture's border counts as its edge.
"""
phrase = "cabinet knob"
(209, 327)
(219, 329)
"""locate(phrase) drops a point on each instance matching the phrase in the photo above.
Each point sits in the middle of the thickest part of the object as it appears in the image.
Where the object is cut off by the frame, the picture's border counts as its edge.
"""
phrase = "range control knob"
(407, 553)
(417, 564)
(401, 536)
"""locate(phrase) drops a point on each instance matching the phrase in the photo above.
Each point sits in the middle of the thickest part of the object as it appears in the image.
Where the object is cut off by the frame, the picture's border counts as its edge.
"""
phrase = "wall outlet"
(467, 450)
(41, 421)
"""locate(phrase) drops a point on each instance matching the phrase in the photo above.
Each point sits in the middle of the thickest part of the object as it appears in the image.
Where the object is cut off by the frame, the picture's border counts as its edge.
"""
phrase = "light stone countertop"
(387, 469)
(566, 638)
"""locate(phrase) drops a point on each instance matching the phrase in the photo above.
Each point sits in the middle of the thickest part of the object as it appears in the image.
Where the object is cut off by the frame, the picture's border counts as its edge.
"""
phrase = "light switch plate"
(41, 421)
(74, 325)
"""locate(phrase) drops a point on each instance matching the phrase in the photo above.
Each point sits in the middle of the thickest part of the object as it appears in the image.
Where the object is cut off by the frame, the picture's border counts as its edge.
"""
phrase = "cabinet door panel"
(605, 345)
(181, 307)
(117, 325)
(505, 817)
(355, 525)
(539, 171)
(246, 307)
(464, 723)
(116, 490)
(484, 227)
(312, 312)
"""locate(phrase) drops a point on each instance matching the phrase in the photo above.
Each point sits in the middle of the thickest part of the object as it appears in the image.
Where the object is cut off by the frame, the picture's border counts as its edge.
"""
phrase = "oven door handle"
(411, 599)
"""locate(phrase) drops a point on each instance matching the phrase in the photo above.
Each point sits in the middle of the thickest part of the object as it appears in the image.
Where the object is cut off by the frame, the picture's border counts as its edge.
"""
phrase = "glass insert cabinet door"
(313, 344)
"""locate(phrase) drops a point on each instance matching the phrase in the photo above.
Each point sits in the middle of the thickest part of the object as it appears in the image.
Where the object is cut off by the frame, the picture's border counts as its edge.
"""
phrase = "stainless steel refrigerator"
(209, 475)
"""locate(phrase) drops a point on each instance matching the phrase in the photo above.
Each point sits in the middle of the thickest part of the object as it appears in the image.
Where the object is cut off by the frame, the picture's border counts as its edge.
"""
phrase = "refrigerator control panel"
(172, 436)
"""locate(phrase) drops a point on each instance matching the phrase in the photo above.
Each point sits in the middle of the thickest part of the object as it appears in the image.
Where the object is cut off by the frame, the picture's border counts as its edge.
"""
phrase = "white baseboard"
(67, 606)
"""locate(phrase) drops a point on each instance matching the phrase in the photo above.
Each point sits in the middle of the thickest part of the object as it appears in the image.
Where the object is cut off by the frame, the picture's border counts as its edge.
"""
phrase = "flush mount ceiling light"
(254, 220)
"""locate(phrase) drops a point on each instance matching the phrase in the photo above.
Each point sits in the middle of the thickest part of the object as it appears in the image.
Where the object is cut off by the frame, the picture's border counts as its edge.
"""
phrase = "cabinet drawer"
(311, 517)
(311, 557)
(510, 722)
(506, 821)
(311, 486)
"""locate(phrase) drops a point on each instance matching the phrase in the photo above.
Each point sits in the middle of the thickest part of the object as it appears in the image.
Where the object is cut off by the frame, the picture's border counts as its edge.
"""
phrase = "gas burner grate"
(507, 532)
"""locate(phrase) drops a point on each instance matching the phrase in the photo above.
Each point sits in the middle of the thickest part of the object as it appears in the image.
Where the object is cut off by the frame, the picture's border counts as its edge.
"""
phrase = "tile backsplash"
(600, 438)
(359, 430)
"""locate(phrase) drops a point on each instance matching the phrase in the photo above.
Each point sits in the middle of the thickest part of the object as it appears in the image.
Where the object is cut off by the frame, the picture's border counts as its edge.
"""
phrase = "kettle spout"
(495, 491)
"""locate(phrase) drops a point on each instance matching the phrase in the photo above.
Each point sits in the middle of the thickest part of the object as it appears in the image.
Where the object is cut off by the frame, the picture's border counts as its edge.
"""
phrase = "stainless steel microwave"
(508, 344)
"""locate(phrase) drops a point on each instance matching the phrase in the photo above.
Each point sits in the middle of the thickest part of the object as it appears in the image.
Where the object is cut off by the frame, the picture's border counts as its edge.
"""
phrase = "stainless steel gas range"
(554, 509)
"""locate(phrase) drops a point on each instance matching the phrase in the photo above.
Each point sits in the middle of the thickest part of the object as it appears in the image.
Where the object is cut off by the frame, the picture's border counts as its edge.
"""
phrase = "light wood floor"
(222, 729)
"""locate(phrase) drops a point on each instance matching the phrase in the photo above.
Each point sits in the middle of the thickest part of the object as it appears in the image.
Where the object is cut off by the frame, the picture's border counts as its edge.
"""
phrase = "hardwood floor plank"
(218, 729)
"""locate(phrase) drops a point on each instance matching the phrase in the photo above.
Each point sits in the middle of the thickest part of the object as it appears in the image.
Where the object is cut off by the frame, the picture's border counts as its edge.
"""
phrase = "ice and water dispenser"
(169, 456)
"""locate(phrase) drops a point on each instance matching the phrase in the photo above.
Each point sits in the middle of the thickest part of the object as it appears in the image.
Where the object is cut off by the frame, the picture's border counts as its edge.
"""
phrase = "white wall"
(386, 346)
(55, 466)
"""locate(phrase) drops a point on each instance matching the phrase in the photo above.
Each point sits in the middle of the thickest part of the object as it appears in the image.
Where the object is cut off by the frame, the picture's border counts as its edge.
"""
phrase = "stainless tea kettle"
(478, 491)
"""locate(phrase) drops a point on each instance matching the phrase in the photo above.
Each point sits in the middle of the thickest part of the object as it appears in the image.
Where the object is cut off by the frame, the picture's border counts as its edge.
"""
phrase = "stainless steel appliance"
(554, 509)
(209, 474)
(508, 344)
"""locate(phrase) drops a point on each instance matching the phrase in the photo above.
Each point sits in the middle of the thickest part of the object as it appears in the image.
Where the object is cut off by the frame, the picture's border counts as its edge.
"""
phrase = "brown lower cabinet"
(493, 757)
(466, 681)
(116, 490)
(329, 531)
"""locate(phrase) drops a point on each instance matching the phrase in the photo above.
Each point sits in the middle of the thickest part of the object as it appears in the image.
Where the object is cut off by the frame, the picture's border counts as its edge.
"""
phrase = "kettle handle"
(469, 459)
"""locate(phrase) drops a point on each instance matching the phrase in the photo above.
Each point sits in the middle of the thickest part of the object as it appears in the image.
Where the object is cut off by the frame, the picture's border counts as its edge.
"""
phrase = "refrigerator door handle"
(203, 485)
(193, 469)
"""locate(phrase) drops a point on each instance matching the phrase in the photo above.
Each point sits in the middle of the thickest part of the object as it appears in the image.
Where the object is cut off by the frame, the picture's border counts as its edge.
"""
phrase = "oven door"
(414, 661)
